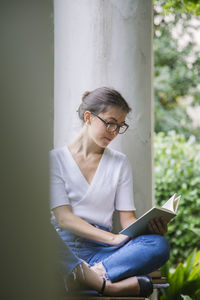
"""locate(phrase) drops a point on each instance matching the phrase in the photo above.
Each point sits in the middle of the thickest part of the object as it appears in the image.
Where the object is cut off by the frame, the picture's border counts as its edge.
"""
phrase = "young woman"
(90, 181)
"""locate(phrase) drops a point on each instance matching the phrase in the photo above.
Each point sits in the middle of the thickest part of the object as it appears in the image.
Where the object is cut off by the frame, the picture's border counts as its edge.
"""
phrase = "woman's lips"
(108, 139)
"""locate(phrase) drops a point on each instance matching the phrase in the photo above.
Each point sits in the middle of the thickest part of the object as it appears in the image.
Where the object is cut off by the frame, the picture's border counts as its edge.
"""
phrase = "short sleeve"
(124, 195)
(58, 194)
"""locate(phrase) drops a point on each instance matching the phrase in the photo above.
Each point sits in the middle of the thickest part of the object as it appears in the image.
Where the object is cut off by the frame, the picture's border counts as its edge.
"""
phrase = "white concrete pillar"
(107, 43)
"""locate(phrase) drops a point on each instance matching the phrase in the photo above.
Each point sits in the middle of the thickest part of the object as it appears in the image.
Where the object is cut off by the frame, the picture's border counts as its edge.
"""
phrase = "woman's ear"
(87, 116)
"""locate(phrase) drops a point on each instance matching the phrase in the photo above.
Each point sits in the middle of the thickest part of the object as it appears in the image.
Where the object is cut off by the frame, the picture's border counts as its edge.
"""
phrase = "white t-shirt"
(110, 189)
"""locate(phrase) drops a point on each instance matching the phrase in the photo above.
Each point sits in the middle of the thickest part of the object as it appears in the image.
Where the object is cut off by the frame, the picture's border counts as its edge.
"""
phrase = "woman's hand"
(119, 239)
(67, 220)
(158, 226)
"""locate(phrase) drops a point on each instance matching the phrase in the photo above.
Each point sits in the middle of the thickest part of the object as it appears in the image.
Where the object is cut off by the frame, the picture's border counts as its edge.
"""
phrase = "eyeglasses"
(112, 127)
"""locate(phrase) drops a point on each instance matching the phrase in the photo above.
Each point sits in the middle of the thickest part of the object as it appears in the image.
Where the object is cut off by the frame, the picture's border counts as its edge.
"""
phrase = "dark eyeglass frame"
(107, 124)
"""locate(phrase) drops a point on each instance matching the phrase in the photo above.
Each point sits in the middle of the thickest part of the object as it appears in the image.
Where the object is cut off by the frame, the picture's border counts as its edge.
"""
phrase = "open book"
(140, 226)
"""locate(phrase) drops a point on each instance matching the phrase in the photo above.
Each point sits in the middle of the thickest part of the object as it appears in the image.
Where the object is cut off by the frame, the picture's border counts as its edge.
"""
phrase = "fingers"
(121, 239)
(158, 225)
(164, 224)
(153, 226)
(124, 238)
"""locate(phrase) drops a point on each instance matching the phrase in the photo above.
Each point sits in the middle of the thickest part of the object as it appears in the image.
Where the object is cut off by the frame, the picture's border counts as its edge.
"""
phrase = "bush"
(184, 281)
(177, 170)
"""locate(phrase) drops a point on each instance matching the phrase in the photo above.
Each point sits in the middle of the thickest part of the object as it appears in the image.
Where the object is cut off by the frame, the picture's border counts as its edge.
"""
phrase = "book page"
(170, 203)
(176, 203)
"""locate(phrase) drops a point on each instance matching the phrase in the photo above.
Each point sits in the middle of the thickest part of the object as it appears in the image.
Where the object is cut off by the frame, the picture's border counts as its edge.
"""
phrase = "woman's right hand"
(119, 239)
(67, 220)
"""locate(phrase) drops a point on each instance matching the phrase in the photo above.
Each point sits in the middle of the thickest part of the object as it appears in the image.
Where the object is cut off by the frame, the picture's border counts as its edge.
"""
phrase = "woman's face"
(97, 128)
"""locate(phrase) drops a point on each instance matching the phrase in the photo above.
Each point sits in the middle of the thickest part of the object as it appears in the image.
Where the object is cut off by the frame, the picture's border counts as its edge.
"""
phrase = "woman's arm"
(67, 220)
(126, 218)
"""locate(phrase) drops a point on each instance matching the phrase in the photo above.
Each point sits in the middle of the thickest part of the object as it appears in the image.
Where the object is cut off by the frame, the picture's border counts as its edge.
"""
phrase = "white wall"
(107, 43)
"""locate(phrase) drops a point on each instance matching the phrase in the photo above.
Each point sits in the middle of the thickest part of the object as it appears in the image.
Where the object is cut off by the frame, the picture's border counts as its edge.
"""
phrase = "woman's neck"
(84, 145)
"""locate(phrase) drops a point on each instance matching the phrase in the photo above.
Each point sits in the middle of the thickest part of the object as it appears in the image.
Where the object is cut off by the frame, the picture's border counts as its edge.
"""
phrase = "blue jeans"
(67, 261)
(139, 256)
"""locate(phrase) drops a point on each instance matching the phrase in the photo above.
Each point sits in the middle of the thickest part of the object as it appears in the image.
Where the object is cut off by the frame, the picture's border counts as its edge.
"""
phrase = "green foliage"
(177, 170)
(196, 231)
(186, 297)
(177, 69)
(186, 6)
(184, 280)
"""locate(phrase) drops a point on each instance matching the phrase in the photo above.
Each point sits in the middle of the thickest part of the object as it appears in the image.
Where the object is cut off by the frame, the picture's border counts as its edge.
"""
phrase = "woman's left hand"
(158, 226)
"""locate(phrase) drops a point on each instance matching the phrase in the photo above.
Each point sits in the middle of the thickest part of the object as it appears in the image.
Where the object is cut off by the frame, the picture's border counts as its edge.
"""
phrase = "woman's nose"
(114, 133)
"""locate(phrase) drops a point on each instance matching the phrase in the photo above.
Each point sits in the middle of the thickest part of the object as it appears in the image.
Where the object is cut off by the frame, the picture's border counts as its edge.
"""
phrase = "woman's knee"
(156, 245)
(162, 247)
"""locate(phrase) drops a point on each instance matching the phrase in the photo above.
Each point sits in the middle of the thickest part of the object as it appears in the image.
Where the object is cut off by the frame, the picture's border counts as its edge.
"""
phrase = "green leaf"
(197, 258)
(189, 263)
(197, 292)
(165, 270)
(176, 282)
(190, 287)
(186, 297)
(195, 273)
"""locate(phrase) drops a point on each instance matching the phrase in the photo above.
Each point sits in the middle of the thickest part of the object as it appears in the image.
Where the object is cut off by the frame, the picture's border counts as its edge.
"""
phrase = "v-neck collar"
(79, 170)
